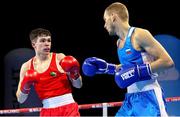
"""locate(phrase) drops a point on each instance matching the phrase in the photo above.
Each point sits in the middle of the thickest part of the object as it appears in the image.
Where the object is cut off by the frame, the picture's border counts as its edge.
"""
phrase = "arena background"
(78, 29)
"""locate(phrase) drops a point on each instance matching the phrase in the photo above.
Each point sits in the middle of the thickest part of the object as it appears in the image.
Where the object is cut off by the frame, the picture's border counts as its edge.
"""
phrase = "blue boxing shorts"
(146, 103)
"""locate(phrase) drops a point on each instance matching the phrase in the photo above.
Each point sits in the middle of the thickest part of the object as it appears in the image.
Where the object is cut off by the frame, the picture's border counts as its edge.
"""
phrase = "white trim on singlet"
(130, 31)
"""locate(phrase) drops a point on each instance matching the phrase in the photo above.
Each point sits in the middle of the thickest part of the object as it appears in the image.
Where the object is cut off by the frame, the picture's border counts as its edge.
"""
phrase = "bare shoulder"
(59, 56)
(142, 38)
(141, 32)
(25, 66)
(142, 35)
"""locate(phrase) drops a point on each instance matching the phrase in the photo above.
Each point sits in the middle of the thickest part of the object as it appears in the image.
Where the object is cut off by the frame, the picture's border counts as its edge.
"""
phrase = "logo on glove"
(127, 74)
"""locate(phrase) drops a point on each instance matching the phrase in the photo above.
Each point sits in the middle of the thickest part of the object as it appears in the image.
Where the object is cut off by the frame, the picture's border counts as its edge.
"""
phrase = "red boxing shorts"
(65, 110)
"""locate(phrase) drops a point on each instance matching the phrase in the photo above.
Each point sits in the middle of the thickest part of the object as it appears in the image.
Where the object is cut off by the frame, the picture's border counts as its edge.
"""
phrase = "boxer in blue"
(141, 58)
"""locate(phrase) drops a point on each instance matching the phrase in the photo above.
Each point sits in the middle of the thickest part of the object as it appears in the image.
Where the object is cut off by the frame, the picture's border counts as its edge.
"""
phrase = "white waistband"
(143, 86)
(58, 101)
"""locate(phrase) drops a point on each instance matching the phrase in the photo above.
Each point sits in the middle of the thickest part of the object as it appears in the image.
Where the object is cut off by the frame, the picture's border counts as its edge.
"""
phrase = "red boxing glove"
(71, 65)
(30, 77)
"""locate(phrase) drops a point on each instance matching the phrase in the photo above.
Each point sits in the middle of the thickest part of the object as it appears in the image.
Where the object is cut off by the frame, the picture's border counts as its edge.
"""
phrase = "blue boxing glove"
(129, 74)
(94, 65)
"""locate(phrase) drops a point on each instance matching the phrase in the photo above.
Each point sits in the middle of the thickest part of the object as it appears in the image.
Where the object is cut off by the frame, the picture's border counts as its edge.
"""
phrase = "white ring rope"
(83, 106)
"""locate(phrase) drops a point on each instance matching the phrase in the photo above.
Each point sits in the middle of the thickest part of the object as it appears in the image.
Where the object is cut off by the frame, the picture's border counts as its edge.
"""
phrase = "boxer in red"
(52, 75)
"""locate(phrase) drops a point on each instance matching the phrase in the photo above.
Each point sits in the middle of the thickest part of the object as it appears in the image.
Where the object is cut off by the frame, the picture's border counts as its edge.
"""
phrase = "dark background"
(77, 29)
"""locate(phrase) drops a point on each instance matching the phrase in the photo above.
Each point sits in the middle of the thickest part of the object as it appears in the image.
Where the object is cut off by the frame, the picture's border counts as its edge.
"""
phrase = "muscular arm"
(147, 42)
(75, 83)
(21, 97)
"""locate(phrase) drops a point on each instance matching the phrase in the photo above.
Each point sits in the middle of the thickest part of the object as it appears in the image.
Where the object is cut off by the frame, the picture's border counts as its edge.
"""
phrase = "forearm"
(160, 65)
(21, 97)
(118, 66)
(77, 83)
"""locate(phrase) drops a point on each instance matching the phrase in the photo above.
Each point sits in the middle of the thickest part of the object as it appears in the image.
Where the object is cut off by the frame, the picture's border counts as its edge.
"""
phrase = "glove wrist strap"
(75, 76)
(111, 69)
(144, 70)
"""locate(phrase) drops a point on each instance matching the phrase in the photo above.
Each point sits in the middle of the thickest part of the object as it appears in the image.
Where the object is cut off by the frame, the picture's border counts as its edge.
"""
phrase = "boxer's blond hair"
(120, 9)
